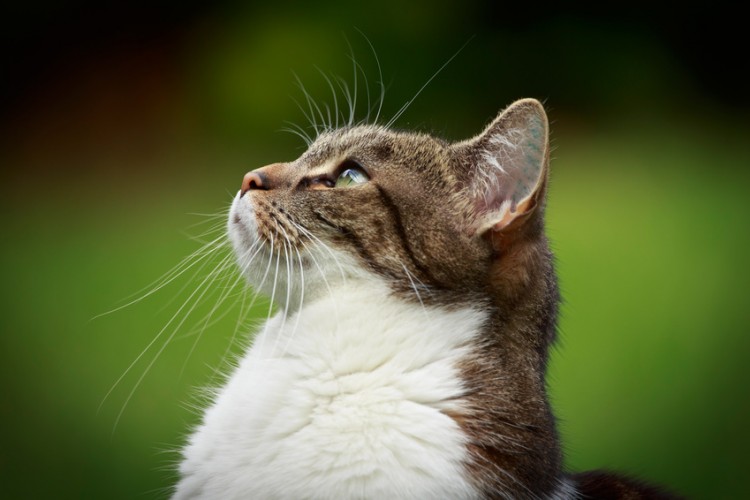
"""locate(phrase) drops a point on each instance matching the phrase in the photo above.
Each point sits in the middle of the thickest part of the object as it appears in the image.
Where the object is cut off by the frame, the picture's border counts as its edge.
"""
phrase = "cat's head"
(435, 221)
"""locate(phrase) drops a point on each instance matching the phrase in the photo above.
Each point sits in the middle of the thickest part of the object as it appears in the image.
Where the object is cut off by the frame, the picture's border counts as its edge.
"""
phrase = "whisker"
(327, 248)
(311, 103)
(199, 238)
(329, 123)
(350, 101)
(335, 99)
(366, 119)
(207, 322)
(244, 309)
(311, 118)
(287, 246)
(414, 287)
(171, 275)
(219, 215)
(154, 340)
(216, 220)
(255, 247)
(408, 103)
(295, 129)
(381, 83)
(301, 302)
(216, 256)
(311, 254)
(263, 334)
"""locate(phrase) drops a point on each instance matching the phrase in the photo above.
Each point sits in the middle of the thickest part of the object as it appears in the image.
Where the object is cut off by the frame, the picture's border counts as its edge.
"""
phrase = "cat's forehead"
(370, 144)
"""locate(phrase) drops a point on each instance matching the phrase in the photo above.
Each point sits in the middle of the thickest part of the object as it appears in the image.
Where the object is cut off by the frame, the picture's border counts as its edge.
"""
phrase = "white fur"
(344, 393)
(350, 405)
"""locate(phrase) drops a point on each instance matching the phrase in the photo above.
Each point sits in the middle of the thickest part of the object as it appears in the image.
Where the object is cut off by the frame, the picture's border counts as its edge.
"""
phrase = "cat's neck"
(335, 388)
(514, 439)
(365, 314)
(474, 359)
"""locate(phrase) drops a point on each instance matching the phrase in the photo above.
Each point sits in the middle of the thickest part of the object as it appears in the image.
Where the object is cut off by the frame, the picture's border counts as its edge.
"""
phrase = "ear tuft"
(508, 163)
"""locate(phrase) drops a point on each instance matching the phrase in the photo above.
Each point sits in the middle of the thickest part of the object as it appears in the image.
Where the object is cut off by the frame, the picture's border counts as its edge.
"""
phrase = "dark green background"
(118, 123)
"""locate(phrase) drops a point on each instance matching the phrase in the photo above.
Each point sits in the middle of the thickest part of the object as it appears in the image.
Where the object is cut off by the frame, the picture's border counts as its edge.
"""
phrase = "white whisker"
(408, 103)
(350, 101)
(199, 238)
(327, 248)
(221, 215)
(414, 287)
(244, 309)
(331, 124)
(171, 275)
(311, 249)
(309, 117)
(273, 292)
(286, 249)
(310, 114)
(208, 277)
(351, 98)
(295, 129)
(301, 302)
(206, 321)
(381, 83)
(312, 105)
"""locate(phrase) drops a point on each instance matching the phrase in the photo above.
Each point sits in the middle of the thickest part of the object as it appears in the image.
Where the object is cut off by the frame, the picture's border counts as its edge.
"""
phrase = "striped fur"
(416, 313)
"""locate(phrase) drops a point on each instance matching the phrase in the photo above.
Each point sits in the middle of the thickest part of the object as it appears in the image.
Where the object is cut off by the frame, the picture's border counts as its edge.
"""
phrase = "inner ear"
(507, 165)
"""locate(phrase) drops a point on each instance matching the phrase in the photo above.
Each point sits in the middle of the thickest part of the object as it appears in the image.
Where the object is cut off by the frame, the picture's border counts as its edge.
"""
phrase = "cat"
(417, 305)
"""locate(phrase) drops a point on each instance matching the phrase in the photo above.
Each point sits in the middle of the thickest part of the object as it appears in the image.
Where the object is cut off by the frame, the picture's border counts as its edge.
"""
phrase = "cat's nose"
(254, 180)
(265, 179)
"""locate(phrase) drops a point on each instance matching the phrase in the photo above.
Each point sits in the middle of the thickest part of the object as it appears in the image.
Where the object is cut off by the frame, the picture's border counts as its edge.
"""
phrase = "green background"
(120, 124)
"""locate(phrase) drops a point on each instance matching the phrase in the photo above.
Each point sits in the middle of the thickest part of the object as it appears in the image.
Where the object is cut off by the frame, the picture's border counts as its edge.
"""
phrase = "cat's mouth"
(252, 219)
(242, 225)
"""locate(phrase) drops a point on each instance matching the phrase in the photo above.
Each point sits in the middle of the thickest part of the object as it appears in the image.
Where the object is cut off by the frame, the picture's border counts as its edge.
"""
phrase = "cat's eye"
(351, 175)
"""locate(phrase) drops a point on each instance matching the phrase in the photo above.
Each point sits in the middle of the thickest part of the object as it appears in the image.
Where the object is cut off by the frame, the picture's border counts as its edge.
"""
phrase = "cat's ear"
(507, 168)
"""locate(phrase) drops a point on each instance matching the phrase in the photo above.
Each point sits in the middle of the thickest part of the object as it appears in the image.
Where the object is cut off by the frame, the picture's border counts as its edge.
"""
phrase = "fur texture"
(416, 311)
(352, 404)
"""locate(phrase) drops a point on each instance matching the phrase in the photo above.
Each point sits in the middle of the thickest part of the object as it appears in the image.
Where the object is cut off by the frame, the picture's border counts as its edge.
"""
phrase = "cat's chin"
(242, 227)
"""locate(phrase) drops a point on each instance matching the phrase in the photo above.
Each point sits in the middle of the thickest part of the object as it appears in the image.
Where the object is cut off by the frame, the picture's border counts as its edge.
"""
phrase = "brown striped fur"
(423, 221)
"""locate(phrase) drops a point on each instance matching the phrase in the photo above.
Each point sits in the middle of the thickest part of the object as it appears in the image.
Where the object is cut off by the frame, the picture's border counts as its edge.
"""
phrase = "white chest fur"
(344, 399)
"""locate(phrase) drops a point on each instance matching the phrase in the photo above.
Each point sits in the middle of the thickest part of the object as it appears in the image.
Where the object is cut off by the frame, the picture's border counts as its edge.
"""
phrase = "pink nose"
(253, 180)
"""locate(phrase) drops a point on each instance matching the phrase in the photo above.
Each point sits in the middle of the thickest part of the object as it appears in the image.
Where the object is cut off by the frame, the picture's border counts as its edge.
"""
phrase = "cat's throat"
(356, 392)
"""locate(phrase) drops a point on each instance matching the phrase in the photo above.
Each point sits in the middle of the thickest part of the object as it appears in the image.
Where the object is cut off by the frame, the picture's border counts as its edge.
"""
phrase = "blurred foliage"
(120, 122)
